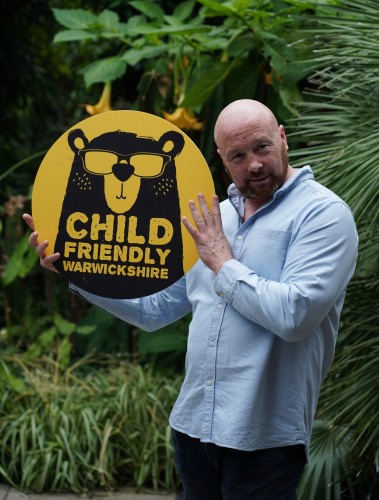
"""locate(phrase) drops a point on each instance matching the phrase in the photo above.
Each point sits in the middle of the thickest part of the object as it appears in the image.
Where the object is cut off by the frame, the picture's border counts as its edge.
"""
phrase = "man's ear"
(283, 136)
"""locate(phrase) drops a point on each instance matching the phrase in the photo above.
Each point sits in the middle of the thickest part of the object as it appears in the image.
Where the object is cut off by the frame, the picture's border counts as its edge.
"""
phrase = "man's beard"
(264, 190)
(261, 193)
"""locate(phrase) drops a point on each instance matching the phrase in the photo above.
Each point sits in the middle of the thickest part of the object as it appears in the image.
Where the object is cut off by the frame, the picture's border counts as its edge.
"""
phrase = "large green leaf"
(205, 84)
(75, 19)
(104, 70)
(132, 26)
(150, 8)
(184, 10)
(65, 327)
(7, 379)
(241, 44)
(74, 36)
(277, 52)
(184, 29)
(290, 96)
(241, 82)
(22, 260)
(134, 56)
(41, 343)
(85, 329)
(63, 353)
(216, 7)
(109, 20)
(240, 6)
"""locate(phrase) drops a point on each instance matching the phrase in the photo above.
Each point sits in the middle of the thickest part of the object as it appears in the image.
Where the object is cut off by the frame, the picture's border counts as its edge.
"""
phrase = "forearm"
(148, 313)
(288, 310)
(317, 269)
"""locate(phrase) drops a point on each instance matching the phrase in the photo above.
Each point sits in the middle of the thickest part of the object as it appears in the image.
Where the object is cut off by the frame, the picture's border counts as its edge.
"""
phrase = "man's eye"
(237, 156)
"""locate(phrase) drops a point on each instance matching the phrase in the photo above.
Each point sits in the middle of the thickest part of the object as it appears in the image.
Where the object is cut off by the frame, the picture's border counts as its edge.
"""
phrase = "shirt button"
(211, 343)
(239, 237)
(209, 382)
(219, 306)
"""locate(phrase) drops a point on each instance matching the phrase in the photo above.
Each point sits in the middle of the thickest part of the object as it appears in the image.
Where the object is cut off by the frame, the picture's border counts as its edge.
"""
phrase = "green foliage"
(188, 43)
(85, 428)
(346, 85)
(56, 338)
(40, 98)
(339, 126)
(344, 443)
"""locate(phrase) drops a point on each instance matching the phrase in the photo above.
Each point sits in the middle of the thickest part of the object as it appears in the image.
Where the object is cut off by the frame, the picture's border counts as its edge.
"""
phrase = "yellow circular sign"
(109, 197)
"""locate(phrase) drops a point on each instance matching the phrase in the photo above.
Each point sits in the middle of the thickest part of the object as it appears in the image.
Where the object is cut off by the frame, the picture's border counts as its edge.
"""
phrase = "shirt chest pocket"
(264, 251)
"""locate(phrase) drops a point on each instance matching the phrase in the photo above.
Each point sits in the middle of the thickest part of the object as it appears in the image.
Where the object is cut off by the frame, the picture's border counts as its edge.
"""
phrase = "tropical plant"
(194, 60)
(39, 100)
(339, 126)
(100, 424)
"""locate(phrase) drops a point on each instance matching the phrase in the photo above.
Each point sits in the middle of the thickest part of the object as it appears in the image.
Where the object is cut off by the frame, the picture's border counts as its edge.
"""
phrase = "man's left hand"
(211, 243)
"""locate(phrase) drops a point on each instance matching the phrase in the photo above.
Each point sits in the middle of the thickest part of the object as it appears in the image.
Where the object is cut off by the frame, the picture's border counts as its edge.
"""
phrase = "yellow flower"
(268, 78)
(184, 119)
(104, 103)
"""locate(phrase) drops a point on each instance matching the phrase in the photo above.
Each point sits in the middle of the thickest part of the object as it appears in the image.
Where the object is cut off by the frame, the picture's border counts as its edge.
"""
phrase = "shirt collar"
(300, 175)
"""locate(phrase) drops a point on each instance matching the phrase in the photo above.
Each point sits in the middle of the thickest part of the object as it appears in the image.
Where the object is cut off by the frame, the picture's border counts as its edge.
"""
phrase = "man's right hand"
(46, 261)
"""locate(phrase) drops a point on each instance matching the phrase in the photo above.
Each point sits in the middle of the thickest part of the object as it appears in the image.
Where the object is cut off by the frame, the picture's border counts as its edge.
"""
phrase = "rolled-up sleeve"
(319, 263)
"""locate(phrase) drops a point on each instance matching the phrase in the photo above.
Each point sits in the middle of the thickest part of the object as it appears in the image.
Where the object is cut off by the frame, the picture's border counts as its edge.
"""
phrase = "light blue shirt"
(263, 330)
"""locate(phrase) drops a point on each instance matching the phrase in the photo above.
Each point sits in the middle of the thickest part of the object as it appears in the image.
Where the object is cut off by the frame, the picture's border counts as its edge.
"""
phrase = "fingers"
(197, 215)
(216, 207)
(29, 220)
(46, 261)
(41, 248)
(205, 216)
(207, 232)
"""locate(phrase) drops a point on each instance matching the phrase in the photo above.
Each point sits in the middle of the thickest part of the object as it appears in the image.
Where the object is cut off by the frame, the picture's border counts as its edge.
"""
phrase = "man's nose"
(254, 163)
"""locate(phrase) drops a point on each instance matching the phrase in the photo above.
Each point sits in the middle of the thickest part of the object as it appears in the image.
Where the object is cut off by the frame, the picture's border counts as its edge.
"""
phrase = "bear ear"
(75, 138)
(172, 143)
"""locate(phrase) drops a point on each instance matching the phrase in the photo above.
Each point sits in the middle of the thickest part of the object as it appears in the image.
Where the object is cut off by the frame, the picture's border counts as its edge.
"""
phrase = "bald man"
(266, 295)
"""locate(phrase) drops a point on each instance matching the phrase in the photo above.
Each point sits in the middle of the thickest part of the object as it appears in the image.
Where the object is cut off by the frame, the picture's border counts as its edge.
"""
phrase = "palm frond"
(338, 135)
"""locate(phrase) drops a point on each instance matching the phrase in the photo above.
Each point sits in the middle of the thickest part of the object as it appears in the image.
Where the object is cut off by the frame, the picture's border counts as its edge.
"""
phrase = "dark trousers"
(210, 472)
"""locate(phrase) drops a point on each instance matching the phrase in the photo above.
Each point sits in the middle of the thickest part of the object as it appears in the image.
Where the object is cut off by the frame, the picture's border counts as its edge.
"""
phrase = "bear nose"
(122, 171)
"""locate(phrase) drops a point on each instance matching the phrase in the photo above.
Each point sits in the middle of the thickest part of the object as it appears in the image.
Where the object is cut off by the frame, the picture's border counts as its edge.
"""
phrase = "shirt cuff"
(227, 278)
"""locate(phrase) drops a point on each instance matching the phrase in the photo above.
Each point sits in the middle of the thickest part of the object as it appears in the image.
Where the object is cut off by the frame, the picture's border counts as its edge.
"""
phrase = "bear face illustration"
(120, 228)
(123, 159)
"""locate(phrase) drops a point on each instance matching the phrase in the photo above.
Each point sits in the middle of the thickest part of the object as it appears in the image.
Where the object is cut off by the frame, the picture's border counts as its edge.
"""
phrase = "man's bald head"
(253, 149)
(240, 113)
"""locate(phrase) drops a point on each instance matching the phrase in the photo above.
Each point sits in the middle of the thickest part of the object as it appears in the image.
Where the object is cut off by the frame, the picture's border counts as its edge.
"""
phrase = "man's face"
(255, 157)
